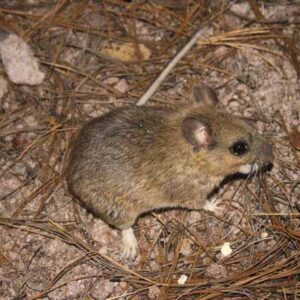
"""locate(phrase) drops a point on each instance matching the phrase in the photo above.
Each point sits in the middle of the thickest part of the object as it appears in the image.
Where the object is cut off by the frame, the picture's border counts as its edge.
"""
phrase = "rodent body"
(136, 159)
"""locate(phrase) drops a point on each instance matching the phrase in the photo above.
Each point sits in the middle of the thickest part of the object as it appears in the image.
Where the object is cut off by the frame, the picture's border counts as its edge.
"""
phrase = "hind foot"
(130, 245)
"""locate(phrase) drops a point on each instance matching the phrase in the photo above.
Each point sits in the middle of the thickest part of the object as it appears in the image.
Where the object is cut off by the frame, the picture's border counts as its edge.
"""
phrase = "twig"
(151, 90)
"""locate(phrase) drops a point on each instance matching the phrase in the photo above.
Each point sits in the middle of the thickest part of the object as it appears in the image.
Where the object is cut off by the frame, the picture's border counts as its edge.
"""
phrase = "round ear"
(196, 132)
(205, 94)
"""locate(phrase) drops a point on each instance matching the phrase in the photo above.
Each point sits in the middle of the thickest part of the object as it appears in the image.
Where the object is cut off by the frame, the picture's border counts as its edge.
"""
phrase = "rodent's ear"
(196, 132)
(205, 94)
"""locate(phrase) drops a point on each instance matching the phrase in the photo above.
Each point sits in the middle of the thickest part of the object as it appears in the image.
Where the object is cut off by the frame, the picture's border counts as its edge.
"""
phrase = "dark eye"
(239, 148)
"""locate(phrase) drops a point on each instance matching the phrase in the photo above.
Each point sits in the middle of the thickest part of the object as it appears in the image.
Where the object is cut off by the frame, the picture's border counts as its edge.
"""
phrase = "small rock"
(121, 86)
(153, 292)
(186, 247)
(216, 271)
(226, 249)
(182, 279)
(111, 80)
(31, 121)
(242, 9)
(19, 62)
(233, 103)
(3, 87)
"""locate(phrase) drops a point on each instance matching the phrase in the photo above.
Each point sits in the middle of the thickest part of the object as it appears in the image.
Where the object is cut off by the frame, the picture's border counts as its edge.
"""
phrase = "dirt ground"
(66, 62)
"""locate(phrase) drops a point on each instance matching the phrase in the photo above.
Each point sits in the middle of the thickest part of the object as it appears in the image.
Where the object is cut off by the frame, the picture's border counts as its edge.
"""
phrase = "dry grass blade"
(54, 230)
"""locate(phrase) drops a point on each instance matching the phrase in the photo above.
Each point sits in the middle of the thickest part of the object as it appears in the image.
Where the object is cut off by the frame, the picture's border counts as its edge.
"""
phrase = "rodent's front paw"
(216, 206)
(130, 245)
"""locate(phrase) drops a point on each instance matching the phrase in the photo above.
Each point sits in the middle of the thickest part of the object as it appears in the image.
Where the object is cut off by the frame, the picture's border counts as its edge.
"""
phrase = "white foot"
(215, 206)
(130, 245)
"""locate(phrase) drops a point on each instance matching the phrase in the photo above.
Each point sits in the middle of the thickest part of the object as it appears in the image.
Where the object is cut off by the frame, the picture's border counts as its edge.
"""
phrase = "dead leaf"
(127, 52)
(295, 138)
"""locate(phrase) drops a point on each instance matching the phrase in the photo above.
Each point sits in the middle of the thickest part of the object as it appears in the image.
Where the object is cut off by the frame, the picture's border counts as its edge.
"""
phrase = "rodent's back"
(110, 151)
(112, 134)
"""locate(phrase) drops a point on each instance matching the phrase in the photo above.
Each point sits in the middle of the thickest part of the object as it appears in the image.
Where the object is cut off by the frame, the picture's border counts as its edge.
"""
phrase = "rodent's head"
(224, 143)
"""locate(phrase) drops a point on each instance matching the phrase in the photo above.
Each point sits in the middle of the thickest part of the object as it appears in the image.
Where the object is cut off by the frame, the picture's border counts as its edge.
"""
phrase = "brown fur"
(135, 159)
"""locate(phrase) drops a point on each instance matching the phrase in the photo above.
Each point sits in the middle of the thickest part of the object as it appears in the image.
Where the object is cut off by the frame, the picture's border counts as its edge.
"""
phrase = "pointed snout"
(266, 152)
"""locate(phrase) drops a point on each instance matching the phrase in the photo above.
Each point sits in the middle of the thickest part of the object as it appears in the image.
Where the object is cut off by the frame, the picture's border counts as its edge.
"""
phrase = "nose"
(267, 152)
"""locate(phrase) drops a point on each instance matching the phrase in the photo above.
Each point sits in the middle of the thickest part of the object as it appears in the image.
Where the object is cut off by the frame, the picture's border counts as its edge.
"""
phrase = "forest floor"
(94, 56)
